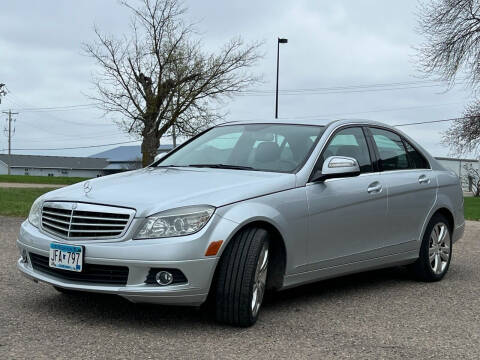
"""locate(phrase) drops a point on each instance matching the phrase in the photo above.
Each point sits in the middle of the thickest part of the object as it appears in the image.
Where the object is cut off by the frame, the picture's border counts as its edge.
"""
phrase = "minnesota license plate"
(66, 257)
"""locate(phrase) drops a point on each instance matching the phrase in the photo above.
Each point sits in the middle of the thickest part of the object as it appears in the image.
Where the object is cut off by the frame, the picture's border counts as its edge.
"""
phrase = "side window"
(391, 150)
(416, 159)
(350, 142)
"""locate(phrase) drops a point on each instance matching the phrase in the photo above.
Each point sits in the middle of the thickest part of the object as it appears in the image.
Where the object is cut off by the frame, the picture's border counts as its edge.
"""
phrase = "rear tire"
(435, 251)
(242, 276)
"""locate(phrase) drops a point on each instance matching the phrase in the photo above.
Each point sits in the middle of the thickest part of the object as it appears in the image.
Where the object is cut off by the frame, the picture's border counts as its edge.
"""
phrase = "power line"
(325, 92)
(52, 108)
(430, 122)
(77, 147)
(374, 87)
(133, 141)
(371, 111)
(348, 87)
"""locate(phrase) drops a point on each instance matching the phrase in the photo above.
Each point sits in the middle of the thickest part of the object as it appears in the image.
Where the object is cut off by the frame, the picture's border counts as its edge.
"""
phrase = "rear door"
(346, 215)
(411, 188)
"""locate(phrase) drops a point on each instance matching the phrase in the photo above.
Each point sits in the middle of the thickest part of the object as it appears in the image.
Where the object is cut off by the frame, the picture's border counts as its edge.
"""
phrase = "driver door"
(346, 215)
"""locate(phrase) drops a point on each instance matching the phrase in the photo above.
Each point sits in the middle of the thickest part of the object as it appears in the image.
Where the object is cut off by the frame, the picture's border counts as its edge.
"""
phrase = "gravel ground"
(380, 314)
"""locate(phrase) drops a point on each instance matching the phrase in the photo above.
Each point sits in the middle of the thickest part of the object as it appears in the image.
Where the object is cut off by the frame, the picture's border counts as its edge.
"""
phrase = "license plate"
(66, 257)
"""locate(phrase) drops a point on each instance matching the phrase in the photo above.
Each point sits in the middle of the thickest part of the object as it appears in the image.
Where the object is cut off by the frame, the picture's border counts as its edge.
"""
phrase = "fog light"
(24, 256)
(164, 278)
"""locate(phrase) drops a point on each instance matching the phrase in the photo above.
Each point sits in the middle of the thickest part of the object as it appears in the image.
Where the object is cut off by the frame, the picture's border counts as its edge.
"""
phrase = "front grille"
(91, 273)
(178, 276)
(85, 221)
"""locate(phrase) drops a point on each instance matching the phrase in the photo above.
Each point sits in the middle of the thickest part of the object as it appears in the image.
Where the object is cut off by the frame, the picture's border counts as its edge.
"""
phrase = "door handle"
(423, 179)
(374, 187)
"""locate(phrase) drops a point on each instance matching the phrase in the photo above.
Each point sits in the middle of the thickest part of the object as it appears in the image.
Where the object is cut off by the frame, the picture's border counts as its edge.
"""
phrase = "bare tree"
(452, 49)
(3, 92)
(463, 136)
(158, 75)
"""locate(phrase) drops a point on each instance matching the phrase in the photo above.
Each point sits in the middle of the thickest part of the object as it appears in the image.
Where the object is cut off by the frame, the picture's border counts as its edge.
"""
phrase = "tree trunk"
(150, 145)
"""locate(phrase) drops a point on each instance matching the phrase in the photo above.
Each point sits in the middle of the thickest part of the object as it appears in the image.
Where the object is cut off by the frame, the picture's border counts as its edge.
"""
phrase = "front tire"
(435, 251)
(242, 277)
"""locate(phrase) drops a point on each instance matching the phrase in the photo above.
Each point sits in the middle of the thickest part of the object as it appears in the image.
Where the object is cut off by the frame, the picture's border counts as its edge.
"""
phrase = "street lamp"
(280, 41)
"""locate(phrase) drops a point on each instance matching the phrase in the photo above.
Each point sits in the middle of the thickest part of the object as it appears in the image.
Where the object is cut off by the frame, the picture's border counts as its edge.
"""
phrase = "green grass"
(17, 202)
(41, 179)
(472, 208)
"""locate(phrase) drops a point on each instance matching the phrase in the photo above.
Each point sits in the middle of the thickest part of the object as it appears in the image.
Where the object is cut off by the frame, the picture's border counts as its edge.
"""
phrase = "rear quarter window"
(415, 157)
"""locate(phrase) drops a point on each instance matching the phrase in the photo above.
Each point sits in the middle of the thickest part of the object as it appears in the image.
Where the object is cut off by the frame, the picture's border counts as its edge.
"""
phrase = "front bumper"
(182, 253)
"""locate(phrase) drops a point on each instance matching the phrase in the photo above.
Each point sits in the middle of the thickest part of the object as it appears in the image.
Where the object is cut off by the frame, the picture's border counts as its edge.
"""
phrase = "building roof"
(115, 166)
(455, 159)
(132, 153)
(53, 162)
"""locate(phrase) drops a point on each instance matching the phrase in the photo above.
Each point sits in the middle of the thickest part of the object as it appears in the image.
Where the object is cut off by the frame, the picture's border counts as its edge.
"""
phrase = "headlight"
(35, 213)
(176, 222)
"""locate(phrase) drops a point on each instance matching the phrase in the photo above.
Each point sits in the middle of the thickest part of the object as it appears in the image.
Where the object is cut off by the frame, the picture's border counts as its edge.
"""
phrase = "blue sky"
(332, 44)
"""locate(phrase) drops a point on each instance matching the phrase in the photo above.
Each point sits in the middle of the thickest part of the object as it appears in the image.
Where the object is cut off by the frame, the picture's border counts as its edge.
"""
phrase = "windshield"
(262, 147)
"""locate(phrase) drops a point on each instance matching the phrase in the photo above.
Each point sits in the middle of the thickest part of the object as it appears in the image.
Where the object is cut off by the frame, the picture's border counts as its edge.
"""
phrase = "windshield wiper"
(222, 166)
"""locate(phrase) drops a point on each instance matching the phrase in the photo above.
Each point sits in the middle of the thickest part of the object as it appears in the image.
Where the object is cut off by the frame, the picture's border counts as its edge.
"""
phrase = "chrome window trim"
(369, 174)
(403, 170)
(82, 206)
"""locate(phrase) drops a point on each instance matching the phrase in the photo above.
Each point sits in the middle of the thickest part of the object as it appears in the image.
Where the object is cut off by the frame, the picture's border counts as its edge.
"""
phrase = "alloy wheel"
(260, 280)
(439, 248)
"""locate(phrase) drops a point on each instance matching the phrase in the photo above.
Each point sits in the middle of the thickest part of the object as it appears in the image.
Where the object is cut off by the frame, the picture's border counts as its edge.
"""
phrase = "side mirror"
(159, 156)
(338, 167)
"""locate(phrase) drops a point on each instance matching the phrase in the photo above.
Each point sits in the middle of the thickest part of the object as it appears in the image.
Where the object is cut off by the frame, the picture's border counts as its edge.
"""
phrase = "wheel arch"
(278, 252)
(448, 215)
(443, 210)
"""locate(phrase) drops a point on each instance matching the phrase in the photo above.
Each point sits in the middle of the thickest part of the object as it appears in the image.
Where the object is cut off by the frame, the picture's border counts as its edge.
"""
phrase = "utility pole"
(9, 131)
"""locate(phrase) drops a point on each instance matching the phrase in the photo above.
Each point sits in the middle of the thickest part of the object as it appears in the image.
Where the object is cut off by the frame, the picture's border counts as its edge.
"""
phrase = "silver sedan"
(247, 207)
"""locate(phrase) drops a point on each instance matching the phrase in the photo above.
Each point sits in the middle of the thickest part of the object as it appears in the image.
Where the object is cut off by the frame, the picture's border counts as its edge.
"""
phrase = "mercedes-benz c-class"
(247, 207)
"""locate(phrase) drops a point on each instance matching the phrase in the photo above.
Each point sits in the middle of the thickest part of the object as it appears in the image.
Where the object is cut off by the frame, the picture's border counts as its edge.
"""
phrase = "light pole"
(280, 41)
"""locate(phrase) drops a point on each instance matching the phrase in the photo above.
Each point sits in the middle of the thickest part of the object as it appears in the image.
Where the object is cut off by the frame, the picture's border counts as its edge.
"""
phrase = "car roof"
(316, 122)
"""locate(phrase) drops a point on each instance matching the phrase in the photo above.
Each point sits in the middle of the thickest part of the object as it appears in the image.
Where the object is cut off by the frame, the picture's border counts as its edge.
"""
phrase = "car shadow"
(89, 307)
(340, 287)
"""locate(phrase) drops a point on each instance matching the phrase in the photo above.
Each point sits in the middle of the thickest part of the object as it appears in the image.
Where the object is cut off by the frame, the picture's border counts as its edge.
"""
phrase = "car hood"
(152, 190)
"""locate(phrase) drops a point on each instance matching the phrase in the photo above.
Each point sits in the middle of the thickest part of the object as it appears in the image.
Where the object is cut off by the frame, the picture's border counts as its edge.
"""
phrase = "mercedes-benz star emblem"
(87, 187)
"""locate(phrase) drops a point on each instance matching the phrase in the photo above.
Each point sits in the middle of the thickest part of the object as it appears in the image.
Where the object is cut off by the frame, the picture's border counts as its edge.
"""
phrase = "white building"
(461, 166)
(37, 165)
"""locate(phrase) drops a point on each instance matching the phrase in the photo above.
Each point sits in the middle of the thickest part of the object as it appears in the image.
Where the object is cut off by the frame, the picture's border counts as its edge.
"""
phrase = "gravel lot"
(380, 314)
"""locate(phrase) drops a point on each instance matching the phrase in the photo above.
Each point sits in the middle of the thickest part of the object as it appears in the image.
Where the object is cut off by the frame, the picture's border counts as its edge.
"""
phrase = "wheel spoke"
(254, 297)
(435, 233)
(264, 260)
(438, 264)
(445, 253)
(441, 236)
(260, 279)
